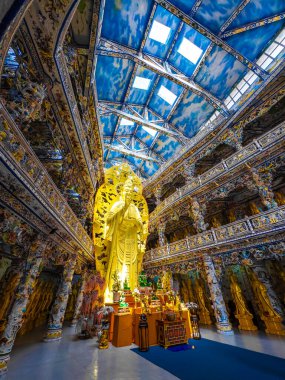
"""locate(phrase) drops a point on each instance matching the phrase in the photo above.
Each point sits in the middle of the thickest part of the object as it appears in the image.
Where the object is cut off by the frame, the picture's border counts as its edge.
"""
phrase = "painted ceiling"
(157, 88)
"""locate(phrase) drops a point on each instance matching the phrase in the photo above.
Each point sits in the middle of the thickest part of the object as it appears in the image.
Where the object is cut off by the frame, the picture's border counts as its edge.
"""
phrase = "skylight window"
(149, 130)
(141, 83)
(126, 122)
(166, 95)
(159, 32)
(190, 51)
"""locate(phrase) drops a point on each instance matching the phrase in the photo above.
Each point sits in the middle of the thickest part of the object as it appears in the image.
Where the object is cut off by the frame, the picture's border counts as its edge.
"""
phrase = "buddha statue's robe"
(123, 225)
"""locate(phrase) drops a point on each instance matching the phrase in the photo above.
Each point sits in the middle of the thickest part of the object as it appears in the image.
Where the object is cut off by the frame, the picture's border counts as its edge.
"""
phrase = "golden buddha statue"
(204, 314)
(280, 198)
(241, 313)
(123, 223)
(253, 208)
(7, 294)
(270, 316)
(215, 222)
(232, 215)
(120, 227)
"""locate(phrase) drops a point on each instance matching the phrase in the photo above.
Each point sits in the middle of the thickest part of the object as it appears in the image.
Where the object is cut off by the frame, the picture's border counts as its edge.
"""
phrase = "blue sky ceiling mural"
(166, 69)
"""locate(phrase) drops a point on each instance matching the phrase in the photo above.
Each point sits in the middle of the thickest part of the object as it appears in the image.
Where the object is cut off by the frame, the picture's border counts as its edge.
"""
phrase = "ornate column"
(157, 194)
(31, 272)
(233, 137)
(268, 304)
(198, 212)
(263, 183)
(188, 172)
(54, 331)
(220, 311)
(161, 233)
(79, 301)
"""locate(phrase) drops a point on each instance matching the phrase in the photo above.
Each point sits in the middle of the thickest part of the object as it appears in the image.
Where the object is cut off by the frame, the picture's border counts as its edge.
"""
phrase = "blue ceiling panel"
(144, 136)
(156, 48)
(184, 5)
(159, 105)
(135, 161)
(178, 60)
(220, 72)
(213, 14)
(166, 146)
(112, 86)
(256, 10)
(108, 124)
(125, 140)
(126, 21)
(139, 96)
(252, 42)
(150, 167)
(125, 129)
(113, 154)
(191, 113)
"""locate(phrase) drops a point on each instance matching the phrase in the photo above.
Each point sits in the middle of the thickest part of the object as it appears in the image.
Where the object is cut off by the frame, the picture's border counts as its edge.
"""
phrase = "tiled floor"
(72, 359)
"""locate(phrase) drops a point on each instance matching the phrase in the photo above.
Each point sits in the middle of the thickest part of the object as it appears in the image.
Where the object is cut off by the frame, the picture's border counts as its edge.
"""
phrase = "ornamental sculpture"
(120, 227)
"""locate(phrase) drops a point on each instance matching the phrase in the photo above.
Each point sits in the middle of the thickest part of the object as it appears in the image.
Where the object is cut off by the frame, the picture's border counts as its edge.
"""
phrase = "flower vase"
(116, 297)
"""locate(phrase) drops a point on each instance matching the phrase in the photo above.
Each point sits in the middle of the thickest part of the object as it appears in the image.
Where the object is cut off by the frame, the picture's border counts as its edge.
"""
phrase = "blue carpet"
(216, 361)
(180, 347)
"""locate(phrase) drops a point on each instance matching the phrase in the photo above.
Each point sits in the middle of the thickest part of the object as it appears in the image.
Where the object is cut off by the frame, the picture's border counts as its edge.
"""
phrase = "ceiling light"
(141, 83)
(190, 51)
(126, 122)
(149, 130)
(166, 95)
(159, 32)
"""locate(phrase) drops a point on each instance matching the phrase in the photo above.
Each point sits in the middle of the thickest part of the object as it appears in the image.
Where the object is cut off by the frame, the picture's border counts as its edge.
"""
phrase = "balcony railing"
(250, 151)
(249, 227)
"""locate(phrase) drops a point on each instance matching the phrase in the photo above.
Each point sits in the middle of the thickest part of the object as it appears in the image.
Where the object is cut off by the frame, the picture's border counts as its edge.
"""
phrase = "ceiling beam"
(253, 25)
(138, 120)
(114, 50)
(125, 98)
(212, 37)
(95, 32)
(130, 152)
(195, 7)
(234, 15)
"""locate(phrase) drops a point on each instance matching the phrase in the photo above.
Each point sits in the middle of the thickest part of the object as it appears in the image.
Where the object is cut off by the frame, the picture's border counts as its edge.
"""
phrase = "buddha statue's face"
(128, 192)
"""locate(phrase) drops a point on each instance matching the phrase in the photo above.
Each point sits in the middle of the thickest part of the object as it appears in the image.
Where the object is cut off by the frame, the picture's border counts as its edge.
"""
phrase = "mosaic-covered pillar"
(268, 304)
(220, 311)
(233, 137)
(161, 234)
(264, 186)
(25, 289)
(54, 331)
(198, 212)
(157, 194)
(188, 172)
(79, 301)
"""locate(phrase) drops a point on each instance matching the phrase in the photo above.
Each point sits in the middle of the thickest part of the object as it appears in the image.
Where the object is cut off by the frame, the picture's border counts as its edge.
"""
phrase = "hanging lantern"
(143, 333)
